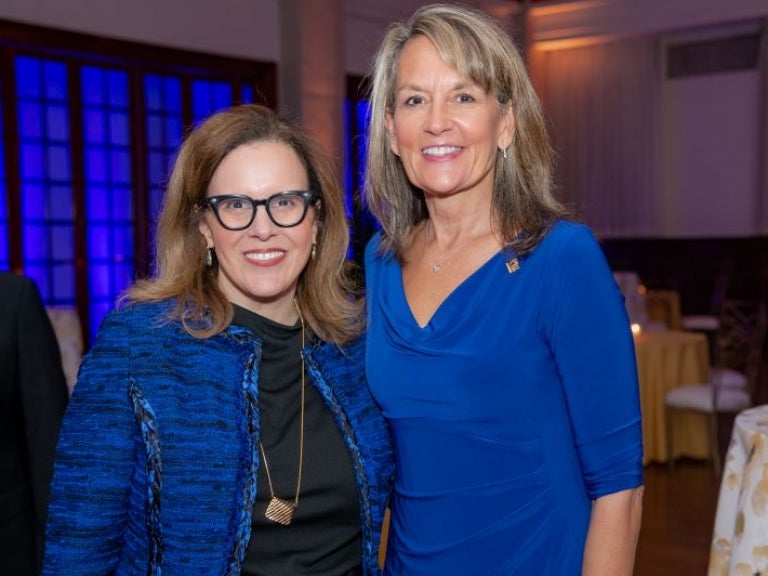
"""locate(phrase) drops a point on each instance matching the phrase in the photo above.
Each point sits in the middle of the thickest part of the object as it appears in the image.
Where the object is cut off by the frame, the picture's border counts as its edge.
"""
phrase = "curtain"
(603, 103)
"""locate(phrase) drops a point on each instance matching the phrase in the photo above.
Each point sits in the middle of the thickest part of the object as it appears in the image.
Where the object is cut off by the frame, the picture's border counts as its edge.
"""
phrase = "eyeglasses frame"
(307, 196)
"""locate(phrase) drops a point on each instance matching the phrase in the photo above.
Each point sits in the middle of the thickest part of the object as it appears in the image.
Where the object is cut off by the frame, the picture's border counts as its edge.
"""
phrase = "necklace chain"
(438, 263)
(278, 509)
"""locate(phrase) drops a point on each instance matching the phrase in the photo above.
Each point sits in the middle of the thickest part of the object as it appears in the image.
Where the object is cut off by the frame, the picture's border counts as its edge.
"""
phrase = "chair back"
(740, 339)
(664, 306)
(719, 292)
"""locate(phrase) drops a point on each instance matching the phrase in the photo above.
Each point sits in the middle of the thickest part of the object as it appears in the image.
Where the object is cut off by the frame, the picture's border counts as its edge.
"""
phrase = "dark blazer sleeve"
(43, 393)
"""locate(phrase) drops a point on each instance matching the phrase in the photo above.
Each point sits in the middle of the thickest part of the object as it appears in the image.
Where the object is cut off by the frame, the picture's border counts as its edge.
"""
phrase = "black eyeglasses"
(237, 212)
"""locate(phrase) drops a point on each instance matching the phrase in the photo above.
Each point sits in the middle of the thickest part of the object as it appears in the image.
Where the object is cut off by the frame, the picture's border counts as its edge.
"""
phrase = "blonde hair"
(324, 293)
(480, 50)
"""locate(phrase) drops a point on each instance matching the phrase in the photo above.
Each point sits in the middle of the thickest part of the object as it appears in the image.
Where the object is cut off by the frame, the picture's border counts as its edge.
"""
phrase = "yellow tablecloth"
(740, 537)
(666, 360)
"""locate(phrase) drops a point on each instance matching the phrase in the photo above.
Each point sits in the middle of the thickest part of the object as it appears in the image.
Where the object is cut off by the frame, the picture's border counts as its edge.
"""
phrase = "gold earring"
(313, 254)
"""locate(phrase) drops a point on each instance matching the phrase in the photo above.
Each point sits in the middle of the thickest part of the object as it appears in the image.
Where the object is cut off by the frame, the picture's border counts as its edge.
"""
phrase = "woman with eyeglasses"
(221, 423)
(499, 347)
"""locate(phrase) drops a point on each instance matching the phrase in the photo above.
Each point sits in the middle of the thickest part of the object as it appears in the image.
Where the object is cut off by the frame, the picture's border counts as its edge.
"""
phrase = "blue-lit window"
(47, 207)
(108, 187)
(164, 133)
(246, 94)
(209, 97)
(362, 111)
(356, 119)
(5, 256)
(86, 146)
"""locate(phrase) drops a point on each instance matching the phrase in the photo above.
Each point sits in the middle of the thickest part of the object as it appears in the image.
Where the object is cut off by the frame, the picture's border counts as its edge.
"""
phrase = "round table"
(740, 537)
(665, 360)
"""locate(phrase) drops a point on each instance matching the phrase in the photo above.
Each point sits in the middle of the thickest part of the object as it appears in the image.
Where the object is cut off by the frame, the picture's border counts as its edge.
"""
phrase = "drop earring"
(313, 254)
(209, 257)
(504, 153)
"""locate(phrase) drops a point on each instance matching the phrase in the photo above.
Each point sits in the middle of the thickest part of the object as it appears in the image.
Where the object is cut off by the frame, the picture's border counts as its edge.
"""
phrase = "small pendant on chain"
(280, 511)
(436, 266)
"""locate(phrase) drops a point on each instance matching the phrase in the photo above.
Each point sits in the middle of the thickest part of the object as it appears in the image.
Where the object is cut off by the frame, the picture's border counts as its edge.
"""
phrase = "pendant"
(436, 266)
(280, 511)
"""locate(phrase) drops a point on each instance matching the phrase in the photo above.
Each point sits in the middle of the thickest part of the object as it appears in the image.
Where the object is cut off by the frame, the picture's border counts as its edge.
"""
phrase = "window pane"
(40, 274)
(94, 128)
(60, 202)
(108, 171)
(153, 92)
(35, 242)
(117, 82)
(172, 97)
(208, 97)
(91, 83)
(164, 133)
(30, 120)
(123, 237)
(58, 162)
(28, 79)
(33, 202)
(120, 162)
(63, 284)
(96, 165)
(63, 243)
(118, 128)
(97, 203)
(58, 118)
(98, 242)
(55, 80)
(32, 165)
(122, 203)
(46, 176)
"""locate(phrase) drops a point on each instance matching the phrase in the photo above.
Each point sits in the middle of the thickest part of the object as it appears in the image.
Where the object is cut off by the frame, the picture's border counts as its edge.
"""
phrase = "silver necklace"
(438, 263)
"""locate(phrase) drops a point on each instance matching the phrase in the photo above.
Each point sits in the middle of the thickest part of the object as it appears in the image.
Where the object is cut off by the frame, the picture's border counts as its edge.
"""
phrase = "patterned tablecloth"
(740, 539)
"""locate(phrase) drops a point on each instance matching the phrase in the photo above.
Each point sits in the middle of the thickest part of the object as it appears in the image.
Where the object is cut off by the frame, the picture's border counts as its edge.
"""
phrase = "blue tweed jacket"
(158, 453)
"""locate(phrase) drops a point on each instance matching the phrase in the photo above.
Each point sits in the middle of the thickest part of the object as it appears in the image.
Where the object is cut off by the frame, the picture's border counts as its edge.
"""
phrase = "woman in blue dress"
(498, 344)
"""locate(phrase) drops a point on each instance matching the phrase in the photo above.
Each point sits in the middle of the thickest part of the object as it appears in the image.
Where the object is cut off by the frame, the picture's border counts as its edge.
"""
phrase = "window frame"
(138, 60)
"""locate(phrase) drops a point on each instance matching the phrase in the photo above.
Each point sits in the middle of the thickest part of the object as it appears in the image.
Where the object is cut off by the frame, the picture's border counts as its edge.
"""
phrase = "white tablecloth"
(740, 539)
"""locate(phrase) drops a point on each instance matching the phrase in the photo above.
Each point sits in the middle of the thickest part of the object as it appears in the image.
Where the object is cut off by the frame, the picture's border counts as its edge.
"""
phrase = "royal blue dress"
(511, 410)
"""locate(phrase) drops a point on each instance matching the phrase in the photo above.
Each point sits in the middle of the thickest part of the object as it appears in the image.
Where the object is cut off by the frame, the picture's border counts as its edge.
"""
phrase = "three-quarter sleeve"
(593, 348)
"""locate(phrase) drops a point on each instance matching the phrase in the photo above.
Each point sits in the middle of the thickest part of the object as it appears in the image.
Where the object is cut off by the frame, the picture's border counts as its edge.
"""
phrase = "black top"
(324, 537)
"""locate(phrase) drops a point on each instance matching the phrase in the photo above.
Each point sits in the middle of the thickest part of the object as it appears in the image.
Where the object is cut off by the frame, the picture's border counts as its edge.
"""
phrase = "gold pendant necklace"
(278, 509)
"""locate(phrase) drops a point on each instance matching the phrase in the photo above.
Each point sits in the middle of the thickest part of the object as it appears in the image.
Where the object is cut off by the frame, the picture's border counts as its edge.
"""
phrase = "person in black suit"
(33, 397)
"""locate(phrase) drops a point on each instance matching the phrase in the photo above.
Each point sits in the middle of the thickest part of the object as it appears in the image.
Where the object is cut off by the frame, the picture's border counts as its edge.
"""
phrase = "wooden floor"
(678, 517)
